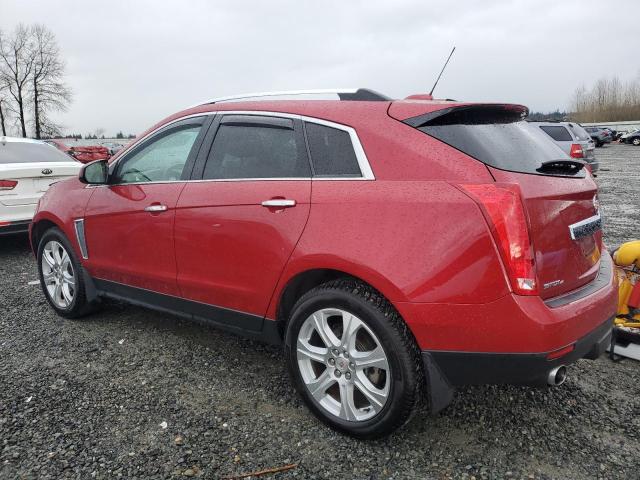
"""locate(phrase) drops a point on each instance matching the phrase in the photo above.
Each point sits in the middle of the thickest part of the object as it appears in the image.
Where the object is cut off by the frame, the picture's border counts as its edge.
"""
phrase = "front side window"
(242, 149)
(162, 159)
(331, 151)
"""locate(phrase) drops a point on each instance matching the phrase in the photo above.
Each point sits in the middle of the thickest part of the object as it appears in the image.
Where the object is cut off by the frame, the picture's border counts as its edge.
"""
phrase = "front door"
(236, 228)
(129, 223)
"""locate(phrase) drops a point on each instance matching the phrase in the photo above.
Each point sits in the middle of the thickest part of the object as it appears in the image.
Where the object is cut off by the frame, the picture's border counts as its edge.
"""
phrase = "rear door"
(236, 227)
(564, 223)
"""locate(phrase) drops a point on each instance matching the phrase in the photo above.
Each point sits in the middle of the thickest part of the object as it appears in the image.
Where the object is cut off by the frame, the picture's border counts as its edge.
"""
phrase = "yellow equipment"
(625, 339)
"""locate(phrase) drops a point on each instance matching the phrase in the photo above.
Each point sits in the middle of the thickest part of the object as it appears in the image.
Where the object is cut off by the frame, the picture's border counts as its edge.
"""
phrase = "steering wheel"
(174, 172)
(139, 175)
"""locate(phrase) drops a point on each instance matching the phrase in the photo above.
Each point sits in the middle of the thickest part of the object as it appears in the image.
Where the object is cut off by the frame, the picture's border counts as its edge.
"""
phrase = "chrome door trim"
(279, 202)
(80, 236)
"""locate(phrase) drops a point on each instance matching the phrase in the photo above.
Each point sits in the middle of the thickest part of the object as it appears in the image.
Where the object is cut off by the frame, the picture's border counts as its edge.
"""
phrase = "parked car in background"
(599, 135)
(90, 153)
(393, 247)
(84, 153)
(632, 138)
(612, 133)
(112, 147)
(59, 144)
(27, 169)
(572, 139)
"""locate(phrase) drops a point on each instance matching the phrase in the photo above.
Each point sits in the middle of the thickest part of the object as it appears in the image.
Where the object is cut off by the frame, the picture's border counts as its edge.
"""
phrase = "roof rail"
(361, 94)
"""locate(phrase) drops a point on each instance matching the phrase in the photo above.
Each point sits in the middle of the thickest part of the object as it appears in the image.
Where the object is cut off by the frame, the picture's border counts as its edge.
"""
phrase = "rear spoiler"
(470, 115)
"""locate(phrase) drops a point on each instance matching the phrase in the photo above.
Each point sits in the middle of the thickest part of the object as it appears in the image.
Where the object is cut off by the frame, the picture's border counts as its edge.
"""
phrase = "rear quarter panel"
(413, 241)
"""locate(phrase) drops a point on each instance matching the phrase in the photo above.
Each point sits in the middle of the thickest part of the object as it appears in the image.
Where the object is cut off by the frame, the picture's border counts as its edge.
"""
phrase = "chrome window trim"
(80, 236)
(361, 156)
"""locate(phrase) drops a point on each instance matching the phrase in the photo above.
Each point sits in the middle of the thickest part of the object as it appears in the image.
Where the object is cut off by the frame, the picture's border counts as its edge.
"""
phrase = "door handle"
(156, 208)
(279, 202)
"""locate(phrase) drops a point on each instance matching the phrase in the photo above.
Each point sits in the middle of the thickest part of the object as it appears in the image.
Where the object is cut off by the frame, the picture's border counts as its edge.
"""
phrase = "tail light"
(8, 184)
(502, 206)
(576, 151)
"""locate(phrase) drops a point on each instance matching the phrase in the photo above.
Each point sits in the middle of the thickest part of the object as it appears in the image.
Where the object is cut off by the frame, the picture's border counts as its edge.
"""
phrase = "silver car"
(574, 140)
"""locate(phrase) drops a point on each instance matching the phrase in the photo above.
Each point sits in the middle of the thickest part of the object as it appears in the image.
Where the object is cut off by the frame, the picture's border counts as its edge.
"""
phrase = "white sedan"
(27, 169)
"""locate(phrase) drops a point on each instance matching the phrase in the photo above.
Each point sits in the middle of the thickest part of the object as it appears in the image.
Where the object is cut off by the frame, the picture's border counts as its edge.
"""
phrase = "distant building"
(629, 126)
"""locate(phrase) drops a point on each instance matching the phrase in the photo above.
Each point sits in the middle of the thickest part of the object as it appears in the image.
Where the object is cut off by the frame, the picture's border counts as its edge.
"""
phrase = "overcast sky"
(130, 63)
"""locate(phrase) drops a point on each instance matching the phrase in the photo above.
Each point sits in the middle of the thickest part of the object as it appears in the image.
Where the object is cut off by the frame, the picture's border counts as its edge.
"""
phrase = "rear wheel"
(636, 141)
(61, 275)
(353, 359)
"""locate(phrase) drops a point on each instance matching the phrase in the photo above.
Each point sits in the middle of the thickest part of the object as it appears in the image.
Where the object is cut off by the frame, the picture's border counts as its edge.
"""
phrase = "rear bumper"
(10, 228)
(446, 370)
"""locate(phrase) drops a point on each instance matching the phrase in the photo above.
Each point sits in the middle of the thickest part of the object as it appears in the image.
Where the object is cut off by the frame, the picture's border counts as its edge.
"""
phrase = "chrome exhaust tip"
(557, 376)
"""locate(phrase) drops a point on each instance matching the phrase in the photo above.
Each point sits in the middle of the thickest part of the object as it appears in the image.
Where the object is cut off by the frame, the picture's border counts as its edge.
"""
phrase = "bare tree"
(16, 66)
(608, 100)
(3, 109)
(48, 90)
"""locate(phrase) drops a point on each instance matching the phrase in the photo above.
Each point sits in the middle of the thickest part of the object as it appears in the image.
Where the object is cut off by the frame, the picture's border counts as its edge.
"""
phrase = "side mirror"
(95, 173)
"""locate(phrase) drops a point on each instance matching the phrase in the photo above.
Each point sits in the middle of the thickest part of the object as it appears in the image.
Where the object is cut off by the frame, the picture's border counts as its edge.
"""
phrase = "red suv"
(393, 247)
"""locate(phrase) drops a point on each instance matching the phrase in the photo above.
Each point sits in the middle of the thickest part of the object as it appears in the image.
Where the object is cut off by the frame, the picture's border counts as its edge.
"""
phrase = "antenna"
(445, 66)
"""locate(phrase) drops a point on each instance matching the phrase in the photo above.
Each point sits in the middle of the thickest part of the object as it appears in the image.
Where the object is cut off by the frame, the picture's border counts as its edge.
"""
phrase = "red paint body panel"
(400, 237)
(230, 249)
(511, 324)
(61, 204)
(552, 204)
(410, 233)
(128, 245)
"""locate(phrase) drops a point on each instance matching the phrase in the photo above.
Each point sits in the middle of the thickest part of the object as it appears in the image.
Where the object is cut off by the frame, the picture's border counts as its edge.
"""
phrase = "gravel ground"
(136, 394)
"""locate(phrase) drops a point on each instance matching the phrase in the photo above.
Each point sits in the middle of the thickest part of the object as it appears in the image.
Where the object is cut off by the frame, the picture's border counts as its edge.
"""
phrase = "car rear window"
(27, 152)
(579, 132)
(331, 151)
(558, 133)
(496, 135)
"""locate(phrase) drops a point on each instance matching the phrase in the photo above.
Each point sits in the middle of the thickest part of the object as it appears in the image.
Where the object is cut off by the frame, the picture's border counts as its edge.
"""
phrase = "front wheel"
(636, 141)
(353, 359)
(61, 275)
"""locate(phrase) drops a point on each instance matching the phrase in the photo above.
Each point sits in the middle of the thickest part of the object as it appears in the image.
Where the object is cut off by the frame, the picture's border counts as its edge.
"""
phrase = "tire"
(57, 262)
(379, 399)
(636, 141)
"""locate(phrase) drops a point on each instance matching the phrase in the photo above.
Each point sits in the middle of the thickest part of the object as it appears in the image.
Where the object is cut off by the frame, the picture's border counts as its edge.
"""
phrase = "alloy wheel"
(58, 274)
(343, 365)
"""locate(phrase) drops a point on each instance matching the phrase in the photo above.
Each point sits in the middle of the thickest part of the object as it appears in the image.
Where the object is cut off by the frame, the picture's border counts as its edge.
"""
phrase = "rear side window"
(332, 152)
(493, 134)
(27, 152)
(558, 133)
(248, 149)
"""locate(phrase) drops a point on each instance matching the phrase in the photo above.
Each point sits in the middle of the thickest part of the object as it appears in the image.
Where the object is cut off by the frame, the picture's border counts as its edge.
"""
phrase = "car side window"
(332, 152)
(161, 159)
(255, 147)
(558, 133)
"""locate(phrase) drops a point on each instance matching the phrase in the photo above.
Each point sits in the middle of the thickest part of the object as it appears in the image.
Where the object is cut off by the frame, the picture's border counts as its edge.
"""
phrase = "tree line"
(609, 100)
(32, 84)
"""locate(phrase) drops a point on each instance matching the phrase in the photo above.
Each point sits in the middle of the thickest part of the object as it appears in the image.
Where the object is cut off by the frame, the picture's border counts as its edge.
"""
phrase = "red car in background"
(84, 154)
(393, 247)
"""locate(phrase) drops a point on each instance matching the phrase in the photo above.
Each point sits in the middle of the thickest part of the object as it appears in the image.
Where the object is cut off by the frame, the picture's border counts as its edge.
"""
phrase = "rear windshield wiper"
(561, 167)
